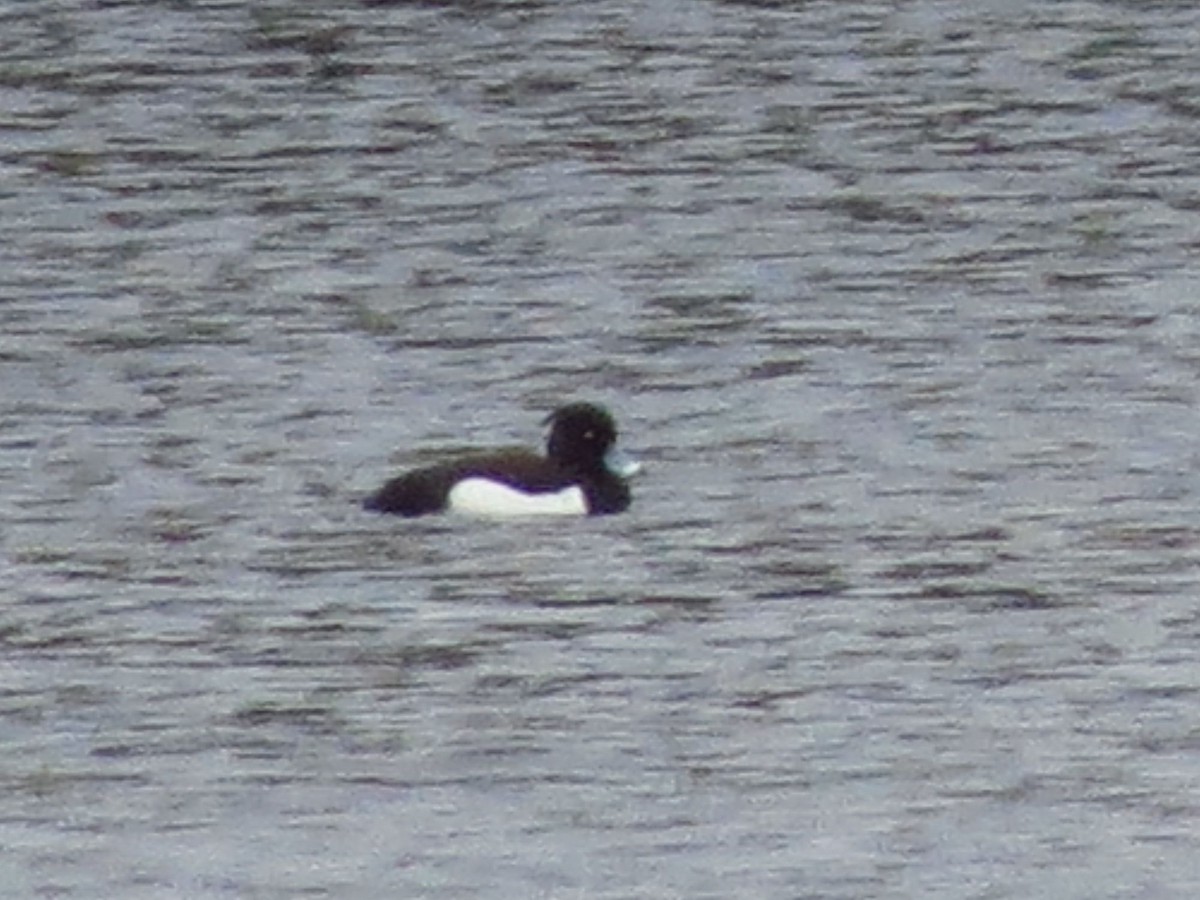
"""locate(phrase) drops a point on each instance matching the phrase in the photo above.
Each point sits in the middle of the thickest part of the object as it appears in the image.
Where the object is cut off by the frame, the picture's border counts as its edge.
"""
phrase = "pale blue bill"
(620, 464)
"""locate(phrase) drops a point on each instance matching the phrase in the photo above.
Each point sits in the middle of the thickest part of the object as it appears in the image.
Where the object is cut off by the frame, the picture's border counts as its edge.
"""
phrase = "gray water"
(896, 302)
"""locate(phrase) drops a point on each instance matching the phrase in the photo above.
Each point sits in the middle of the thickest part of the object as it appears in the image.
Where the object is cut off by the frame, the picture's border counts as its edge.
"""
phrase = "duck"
(582, 473)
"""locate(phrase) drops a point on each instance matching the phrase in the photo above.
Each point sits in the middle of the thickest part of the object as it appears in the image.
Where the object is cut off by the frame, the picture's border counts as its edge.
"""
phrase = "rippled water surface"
(895, 300)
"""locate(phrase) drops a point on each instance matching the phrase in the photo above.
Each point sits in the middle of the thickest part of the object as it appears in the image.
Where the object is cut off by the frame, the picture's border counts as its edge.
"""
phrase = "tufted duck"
(581, 473)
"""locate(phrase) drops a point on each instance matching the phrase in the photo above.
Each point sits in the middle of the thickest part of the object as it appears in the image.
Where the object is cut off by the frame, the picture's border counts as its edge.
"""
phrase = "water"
(895, 301)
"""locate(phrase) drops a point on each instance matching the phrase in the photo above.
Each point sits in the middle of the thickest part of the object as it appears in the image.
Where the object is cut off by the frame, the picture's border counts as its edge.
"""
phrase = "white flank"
(481, 497)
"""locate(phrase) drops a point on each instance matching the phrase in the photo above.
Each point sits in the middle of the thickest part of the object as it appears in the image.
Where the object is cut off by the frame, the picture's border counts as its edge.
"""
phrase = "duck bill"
(621, 464)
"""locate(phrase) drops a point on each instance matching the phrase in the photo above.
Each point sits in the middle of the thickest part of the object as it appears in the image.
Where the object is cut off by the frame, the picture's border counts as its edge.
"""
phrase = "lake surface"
(897, 302)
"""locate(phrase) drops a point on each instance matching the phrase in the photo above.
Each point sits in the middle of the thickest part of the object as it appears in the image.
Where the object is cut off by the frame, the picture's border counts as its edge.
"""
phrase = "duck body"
(580, 474)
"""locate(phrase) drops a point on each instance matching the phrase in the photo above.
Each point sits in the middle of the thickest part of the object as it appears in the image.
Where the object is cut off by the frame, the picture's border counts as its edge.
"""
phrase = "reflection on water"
(893, 301)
